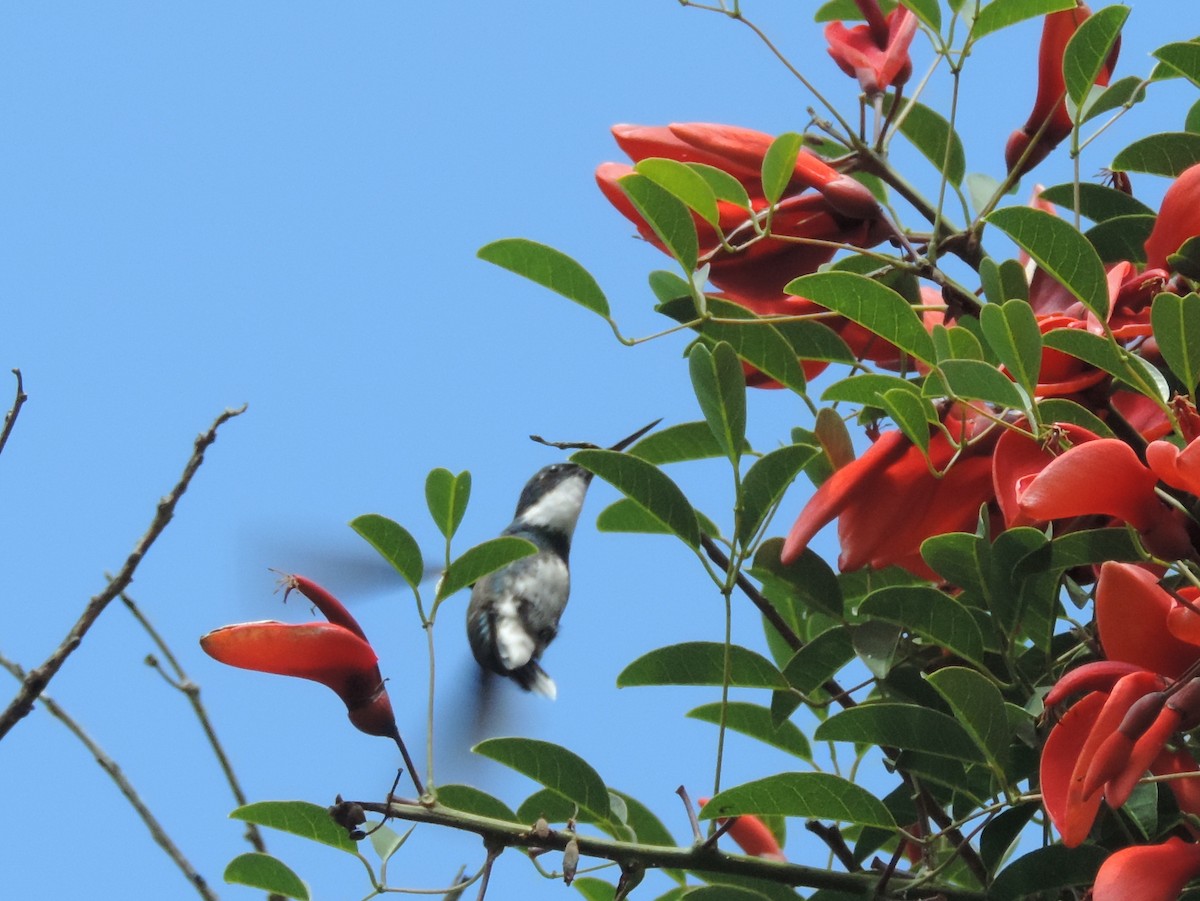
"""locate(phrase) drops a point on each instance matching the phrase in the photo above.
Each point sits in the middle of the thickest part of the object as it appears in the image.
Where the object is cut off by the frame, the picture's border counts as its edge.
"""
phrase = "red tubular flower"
(888, 501)
(1050, 105)
(1178, 218)
(753, 836)
(334, 653)
(1178, 468)
(1148, 872)
(876, 53)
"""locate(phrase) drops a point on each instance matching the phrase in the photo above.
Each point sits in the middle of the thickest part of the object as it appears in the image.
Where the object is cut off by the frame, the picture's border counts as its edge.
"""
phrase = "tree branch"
(498, 833)
(10, 418)
(36, 679)
(114, 771)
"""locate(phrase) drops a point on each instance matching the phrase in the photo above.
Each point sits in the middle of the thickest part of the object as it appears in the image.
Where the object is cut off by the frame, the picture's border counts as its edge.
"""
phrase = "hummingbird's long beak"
(625, 442)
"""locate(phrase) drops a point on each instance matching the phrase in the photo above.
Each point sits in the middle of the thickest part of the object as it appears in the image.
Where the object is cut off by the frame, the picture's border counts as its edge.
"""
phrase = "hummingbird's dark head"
(553, 498)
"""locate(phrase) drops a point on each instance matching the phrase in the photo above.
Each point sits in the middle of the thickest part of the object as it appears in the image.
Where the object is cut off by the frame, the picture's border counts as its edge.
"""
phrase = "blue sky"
(279, 204)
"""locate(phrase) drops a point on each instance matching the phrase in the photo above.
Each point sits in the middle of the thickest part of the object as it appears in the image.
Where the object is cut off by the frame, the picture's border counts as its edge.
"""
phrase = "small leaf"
(394, 544)
(387, 842)
(808, 580)
(1121, 238)
(548, 267)
(1176, 324)
(1129, 90)
(932, 135)
(701, 663)
(1167, 153)
(685, 184)
(1192, 120)
(820, 796)
(469, 799)
(976, 380)
(301, 818)
(1012, 332)
(911, 413)
(646, 485)
(1000, 833)
(875, 307)
(1096, 202)
(677, 444)
(979, 707)
(927, 11)
(1089, 47)
(764, 484)
(1059, 249)
(446, 495)
(648, 828)
(594, 889)
(262, 871)
(667, 215)
(779, 164)
(1058, 409)
(1047, 869)
(723, 185)
(929, 613)
(900, 726)
(1001, 13)
(755, 721)
(1183, 57)
(720, 388)
(624, 515)
(476, 562)
(1094, 349)
(554, 767)
(868, 388)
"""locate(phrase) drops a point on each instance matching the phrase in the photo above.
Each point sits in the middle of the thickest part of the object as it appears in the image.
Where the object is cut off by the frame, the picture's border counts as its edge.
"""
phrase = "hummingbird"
(514, 612)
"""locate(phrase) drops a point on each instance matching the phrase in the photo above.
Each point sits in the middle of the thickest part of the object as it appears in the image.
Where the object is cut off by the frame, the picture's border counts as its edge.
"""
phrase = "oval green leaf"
(756, 721)
(667, 215)
(300, 818)
(646, 485)
(1001, 13)
(478, 561)
(1176, 324)
(1088, 48)
(979, 707)
(906, 726)
(720, 387)
(685, 183)
(394, 544)
(779, 164)
(554, 767)
(1168, 153)
(469, 799)
(1096, 202)
(701, 663)
(820, 796)
(929, 613)
(1012, 332)
(446, 495)
(548, 267)
(262, 871)
(764, 485)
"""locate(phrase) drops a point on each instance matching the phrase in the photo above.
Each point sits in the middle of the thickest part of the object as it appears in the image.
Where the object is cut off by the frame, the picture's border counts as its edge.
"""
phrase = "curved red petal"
(1099, 477)
(1059, 757)
(1147, 872)
(1132, 619)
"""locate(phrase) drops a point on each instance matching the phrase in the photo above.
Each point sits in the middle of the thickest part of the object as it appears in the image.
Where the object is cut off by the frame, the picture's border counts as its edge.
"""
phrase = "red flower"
(334, 653)
(888, 500)
(1050, 105)
(1148, 872)
(753, 836)
(1133, 706)
(1178, 468)
(876, 53)
(1178, 218)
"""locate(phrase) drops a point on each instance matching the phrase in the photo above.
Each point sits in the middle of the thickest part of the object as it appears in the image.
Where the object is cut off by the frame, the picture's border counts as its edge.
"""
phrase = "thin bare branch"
(38, 678)
(126, 787)
(10, 418)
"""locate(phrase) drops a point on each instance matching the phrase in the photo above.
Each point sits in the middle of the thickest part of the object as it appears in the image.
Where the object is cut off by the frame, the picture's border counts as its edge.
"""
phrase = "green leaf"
(554, 767)
(677, 444)
(1058, 409)
(1096, 202)
(1176, 324)
(387, 842)
(929, 613)
(867, 389)
(1129, 90)
(594, 889)
(446, 495)
(1089, 48)
(821, 796)
(262, 871)
(469, 799)
(1167, 153)
(300, 818)
(646, 485)
(906, 726)
(981, 188)
(1001, 13)
(976, 380)
(548, 267)
(666, 215)
(624, 515)
(648, 828)
(723, 185)
(684, 183)
(478, 561)
(1183, 57)
(808, 580)
(1043, 871)
(1083, 548)
(720, 388)
(764, 484)
(1059, 249)
(1121, 238)
(927, 11)
(1094, 349)
(779, 165)
(394, 544)
(756, 721)
(819, 660)
(701, 663)
(979, 708)
(911, 414)
(875, 307)
(1012, 332)
(999, 834)
(757, 342)
(931, 134)
(1192, 120)
(1012, 278)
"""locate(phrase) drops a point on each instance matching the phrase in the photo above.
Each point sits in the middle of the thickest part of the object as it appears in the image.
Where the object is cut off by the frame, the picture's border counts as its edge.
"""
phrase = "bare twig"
(832, 837)
(36, 679)
(110, 766)
(191, 691)
(10, 418)
(587, 445)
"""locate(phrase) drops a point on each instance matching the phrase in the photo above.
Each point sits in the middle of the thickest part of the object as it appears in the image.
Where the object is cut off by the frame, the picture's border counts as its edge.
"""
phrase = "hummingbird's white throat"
(557, 509)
